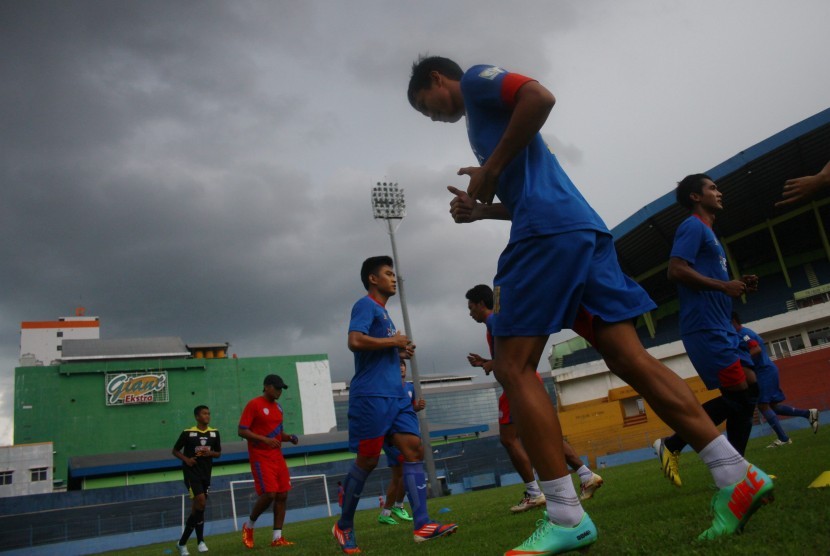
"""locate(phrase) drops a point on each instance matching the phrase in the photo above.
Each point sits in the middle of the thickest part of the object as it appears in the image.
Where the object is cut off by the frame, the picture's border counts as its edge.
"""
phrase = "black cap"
(274, 381)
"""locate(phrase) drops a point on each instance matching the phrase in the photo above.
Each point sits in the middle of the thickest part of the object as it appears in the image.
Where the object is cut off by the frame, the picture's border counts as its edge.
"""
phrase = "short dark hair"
(693, 183)
(372, 265)
(198, 409)
(736, 317)
(425, 65)
(481, 294)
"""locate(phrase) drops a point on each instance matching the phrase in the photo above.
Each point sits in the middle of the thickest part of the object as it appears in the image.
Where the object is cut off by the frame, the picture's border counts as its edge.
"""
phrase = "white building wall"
(43, 340)
(21, 461)
(314, 383)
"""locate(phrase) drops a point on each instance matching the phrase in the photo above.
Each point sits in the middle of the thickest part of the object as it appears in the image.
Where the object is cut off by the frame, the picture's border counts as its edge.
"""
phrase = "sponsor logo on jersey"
(491, 73)
(266, 411)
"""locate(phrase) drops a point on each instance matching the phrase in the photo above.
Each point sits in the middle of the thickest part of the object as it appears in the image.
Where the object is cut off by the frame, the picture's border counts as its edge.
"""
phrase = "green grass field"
(636, 512)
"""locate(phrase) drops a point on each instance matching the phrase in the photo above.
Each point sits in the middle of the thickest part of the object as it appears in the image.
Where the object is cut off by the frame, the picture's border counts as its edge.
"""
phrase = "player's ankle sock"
(415, 482)
(398, 504)
(352, 489)
(775, 424)
(563, 506)
(791, 411)
(724, 462)
(532, 488)
(277, 535)
(585, 474)
(386, 512)
(188, 529)
(251, 523)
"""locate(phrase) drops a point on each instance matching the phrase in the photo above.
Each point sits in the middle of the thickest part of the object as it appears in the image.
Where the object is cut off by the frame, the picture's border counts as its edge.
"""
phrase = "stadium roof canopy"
(86, 350)
(751, 224)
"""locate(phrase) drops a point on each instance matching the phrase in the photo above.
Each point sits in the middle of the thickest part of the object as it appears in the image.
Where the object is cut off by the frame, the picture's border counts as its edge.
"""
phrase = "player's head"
(434, 88)
(379, 272)
(480, 302)
(202, 414)
(403, 369)
(694, 188)
(272, 386)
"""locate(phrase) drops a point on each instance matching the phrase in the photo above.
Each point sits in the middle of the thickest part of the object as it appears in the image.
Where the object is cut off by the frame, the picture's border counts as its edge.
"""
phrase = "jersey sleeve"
(362, 316)
(492, 86)
(247, 417)
(180, 442)
(217, 446)
(687, 240)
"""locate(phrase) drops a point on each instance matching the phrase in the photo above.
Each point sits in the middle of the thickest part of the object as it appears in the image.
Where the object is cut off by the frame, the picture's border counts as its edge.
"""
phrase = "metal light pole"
(388, 204)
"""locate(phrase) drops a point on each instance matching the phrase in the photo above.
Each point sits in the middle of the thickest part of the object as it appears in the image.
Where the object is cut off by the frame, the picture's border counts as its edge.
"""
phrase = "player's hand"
(476, 360)
(462, 206)
(273, 442)
(295, 439)
(400, 340)
(800, 189)
(734, 288)
(419, 405)
(751, 281)
(483, 183)
(190, 461)
(488, 367)
(409, 350)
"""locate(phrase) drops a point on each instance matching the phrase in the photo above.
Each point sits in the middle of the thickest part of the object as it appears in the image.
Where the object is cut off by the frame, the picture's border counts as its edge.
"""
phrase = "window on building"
(60, 334)
(38, 474)
(796, 342)
(6, 477)
(634, 411)
(779, 348)
(820, 336)
(60, 348)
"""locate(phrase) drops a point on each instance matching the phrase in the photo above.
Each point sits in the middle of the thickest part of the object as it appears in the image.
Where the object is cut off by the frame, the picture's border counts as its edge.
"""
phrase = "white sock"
(250, 523)
(724, 462)
(386, 512)
(563, 506)
(532, 488)
(585, 474)
(277, 534)
(399, 504)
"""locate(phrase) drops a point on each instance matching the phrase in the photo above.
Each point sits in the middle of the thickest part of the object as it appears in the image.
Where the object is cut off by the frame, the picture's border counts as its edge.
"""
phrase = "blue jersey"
(409, 390)
(376, 372)
(534, 188)
(695, 243)
(750, 339)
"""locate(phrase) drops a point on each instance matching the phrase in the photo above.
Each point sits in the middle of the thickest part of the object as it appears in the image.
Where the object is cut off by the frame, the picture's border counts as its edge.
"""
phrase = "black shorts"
(196, 485)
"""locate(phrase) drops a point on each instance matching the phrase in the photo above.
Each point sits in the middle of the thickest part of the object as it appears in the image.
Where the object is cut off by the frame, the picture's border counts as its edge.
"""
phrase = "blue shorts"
(542, 282)
(769, 389)
(717, 357)
(373, 419)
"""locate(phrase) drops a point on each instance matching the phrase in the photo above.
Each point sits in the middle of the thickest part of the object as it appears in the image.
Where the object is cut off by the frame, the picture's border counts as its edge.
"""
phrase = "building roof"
(751, 183)
(130, 348)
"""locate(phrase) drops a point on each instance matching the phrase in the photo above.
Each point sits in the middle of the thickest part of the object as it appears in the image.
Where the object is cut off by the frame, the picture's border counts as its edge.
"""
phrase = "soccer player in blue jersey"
(559, 261)
(395, 492)
(698, 266)
(379, 409)
(770, 394)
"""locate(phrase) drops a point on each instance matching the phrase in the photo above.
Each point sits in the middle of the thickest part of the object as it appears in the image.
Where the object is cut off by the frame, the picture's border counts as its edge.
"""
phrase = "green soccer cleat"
(550, 538)
(735, 504)
(401, 513)
(387, 520)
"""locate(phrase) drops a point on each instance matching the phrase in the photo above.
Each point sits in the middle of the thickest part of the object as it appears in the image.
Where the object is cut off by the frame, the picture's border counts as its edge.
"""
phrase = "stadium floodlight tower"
(388, 204)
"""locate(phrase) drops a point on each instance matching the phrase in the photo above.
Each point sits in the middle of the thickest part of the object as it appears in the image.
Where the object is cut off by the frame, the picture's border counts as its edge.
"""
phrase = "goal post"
(233, 488)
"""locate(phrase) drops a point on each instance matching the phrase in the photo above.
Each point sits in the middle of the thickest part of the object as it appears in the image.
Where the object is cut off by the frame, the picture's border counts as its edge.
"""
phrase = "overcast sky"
(203, 169)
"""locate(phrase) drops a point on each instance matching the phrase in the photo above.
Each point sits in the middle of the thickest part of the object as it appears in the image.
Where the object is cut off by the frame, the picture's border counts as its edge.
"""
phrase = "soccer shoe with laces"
(778, 443)
(247, 536)
(732, 506)
(281, 542)
(433, 530)
(202, 547)
(387, 520)
(401, 513)
(346, 539)
(550, 538)
(669, 462)
(587, 490)
(814, 420)
(182, 549)
(528, 502)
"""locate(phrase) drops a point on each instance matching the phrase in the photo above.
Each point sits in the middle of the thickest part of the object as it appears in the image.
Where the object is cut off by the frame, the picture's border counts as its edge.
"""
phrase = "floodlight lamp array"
(388, 200)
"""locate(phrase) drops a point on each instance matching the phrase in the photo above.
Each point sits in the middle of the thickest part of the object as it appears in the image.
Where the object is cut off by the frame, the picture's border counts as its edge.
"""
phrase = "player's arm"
(532, 105)
(292, 438)
(358, 341)
(177, 452)
(681, 272)
(807, 187)
(248, 434)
